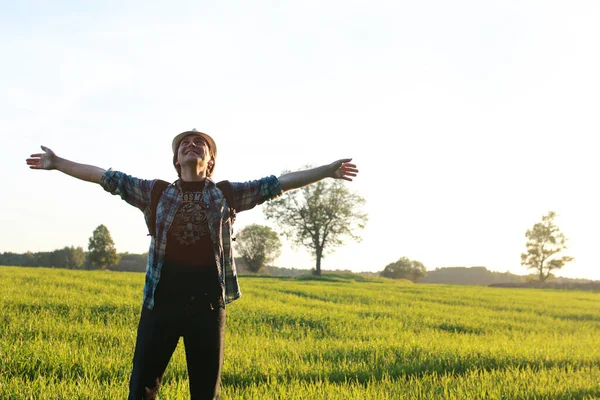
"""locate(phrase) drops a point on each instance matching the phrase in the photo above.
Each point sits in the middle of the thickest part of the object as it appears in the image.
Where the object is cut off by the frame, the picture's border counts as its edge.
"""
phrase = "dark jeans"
(202, 325)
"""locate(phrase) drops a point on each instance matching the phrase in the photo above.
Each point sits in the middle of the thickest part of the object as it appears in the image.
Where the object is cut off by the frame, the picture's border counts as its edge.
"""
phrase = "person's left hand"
(342, 169)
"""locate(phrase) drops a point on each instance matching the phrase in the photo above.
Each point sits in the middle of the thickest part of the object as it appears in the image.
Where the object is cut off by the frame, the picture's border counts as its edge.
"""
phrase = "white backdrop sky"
(469, 120)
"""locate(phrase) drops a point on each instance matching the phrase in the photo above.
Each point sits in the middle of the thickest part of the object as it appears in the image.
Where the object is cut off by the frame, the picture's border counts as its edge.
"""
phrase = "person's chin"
(188, 159)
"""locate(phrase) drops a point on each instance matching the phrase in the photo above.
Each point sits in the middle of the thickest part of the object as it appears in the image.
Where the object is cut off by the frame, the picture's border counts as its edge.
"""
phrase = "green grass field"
(70, 335)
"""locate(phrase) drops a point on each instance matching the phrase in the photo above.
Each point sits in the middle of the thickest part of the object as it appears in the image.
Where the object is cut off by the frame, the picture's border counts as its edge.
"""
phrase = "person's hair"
(209, 170)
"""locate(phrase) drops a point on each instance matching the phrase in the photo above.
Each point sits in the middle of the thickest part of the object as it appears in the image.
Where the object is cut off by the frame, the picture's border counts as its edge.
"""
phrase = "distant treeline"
(68, 257)
(76, 258)
(469, 276)
(482, 276)
(71, 258)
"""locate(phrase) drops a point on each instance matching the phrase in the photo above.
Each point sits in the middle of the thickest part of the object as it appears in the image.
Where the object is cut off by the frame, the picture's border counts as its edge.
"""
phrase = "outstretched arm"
(49, 160)
(340, 169)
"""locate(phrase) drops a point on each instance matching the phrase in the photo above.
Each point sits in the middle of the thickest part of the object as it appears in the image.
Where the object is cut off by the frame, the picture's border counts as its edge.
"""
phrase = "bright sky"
(469, 120)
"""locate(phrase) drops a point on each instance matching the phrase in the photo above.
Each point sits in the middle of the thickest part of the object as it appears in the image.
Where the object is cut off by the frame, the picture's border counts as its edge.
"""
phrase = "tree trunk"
(318, 266)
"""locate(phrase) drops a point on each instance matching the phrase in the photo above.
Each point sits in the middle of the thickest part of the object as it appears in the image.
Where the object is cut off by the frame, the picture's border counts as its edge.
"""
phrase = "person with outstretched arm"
(190, 273)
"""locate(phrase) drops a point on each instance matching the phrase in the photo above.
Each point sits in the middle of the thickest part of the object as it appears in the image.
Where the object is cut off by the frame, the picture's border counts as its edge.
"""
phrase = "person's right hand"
(46, 160)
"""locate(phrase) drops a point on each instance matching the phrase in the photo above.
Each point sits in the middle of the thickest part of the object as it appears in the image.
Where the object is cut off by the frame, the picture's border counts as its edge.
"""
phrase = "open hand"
(342, 169)
(45, 160)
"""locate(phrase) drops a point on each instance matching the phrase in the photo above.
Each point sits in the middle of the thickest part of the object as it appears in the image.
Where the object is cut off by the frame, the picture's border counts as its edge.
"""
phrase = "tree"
(405, 269)
(545, 241)
(102, 252)
(131, 262)
(318, 216)
(43, 258)
(258, 245)
(67, 257)
(75, 257)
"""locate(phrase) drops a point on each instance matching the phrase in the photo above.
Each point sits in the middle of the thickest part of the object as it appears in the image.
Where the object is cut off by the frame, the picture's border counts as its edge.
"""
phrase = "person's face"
(193, 148)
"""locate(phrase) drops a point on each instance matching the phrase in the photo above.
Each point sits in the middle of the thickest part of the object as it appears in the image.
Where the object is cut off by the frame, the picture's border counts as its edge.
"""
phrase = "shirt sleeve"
(134, 191)
(252, 193)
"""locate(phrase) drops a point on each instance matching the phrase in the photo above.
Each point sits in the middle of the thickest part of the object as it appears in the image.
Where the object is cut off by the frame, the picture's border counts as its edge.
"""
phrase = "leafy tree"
(67, 257)
(545, 241)
(318, 216)
(74, 257)
(57, 259)
(102, 252)
(258, 245)
(29, 259)
(405, 269)
(131, 262)
(43, 258)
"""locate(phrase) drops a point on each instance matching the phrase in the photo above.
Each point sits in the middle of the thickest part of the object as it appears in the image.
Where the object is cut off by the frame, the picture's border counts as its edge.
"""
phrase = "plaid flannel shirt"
(138, 193)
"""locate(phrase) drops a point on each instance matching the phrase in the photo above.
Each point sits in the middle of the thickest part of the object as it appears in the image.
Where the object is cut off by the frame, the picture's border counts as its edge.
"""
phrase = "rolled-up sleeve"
(134, 191)
(252, 193)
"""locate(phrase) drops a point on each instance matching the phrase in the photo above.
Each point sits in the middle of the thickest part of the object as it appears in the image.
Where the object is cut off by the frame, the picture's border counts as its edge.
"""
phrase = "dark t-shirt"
(189, 267)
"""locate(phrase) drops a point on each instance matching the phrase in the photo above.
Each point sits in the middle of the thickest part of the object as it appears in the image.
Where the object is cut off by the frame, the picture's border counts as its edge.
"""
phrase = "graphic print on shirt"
(190, 222)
